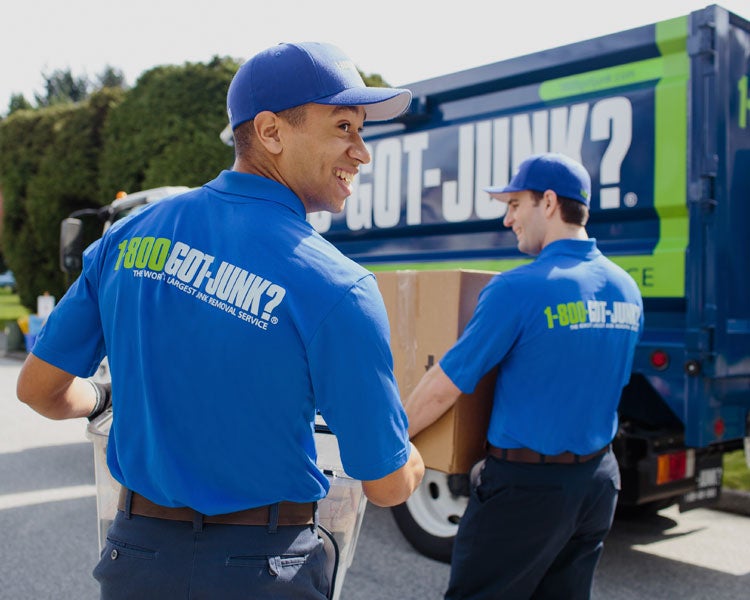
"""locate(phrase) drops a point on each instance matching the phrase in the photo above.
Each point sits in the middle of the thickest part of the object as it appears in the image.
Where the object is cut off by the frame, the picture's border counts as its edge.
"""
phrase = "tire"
(429, 518)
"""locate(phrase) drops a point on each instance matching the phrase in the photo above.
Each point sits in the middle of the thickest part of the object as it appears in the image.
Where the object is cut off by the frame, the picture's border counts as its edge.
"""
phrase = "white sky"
(402, 40)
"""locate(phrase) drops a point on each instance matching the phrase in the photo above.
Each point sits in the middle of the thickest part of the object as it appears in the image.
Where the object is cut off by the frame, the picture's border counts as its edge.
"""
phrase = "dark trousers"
(146, 558)
(534, 530)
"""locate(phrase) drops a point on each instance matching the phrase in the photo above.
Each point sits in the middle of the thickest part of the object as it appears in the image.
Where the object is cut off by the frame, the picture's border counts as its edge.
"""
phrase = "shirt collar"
(585, 248)
(245, 186)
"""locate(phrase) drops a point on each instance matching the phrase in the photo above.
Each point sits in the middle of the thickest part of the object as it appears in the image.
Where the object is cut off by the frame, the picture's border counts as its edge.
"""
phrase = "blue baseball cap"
(541, 172)
(289, 75)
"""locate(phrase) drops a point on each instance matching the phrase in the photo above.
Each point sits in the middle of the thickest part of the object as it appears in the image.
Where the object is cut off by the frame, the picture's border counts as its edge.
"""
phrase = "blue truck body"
(660, 116)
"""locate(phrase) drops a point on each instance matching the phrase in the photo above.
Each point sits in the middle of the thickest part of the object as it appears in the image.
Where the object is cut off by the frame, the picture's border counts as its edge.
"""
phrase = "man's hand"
(103, 398)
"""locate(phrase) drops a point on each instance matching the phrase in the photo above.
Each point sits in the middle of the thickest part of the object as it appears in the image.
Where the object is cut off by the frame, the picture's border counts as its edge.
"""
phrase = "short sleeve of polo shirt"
(352, 375)
(72, 338)
(487, 338)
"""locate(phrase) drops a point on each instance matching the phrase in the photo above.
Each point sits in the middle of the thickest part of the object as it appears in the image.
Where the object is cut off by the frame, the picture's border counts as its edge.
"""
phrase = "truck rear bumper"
(689, 476)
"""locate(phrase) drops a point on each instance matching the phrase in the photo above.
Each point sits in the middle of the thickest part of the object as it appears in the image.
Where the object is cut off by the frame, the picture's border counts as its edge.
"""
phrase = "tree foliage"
(373, 80)
(166, 132)
(44, 179)
(18, 102)
(68, 154)
(111, 77)
(61, 87)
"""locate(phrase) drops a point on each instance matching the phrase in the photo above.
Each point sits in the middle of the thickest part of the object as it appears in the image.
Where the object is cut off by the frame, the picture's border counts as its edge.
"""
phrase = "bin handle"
(331, 549)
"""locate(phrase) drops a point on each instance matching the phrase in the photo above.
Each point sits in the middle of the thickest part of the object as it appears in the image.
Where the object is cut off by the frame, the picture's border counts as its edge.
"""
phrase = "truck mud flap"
(708, 476)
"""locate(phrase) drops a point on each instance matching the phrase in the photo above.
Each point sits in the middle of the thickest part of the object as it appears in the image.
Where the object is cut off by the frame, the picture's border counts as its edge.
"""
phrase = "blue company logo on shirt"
(227, 287)
(597, 314)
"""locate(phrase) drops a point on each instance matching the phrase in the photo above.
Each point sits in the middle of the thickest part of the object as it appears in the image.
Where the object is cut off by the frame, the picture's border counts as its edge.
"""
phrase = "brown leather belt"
(526, 455)
(290, 513)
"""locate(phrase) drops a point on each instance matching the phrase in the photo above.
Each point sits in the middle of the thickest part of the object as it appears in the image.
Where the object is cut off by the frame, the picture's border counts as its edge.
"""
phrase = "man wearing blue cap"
(562, 332)
(228, 323)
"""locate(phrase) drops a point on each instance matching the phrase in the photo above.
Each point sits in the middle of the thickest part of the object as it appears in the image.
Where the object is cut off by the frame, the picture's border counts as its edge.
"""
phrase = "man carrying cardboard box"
(562, 332)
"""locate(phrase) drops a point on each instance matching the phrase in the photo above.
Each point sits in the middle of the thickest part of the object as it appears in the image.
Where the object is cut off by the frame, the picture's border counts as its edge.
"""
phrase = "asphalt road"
(49, 538)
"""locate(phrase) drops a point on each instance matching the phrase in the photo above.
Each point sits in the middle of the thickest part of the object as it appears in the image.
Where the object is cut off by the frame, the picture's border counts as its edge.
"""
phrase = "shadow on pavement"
(46, 467)
(629, 570)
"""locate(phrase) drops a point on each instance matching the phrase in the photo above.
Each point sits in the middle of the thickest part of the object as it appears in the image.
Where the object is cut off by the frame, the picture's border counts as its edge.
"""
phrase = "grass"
(736, 473)
(10, 307)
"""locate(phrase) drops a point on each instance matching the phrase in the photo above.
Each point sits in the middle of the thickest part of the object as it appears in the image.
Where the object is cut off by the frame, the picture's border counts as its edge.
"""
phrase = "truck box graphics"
(659, 116)
(422, 196)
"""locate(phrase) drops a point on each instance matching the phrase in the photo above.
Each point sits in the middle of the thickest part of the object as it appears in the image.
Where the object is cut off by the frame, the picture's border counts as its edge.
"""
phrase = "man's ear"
(550, 203)
(266, 125)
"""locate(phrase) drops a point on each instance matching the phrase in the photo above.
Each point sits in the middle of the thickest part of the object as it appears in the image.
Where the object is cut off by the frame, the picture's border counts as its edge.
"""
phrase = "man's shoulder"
(621, 276)
(325, 266)
(507, 286)
(521, 275)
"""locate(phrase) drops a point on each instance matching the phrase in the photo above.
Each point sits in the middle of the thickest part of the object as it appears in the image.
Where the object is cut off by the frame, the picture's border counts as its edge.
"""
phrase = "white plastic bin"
(341, 511)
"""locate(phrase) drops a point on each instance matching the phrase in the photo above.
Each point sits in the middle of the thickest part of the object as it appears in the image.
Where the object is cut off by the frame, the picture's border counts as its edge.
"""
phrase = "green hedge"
(164, 131)
(48, 168)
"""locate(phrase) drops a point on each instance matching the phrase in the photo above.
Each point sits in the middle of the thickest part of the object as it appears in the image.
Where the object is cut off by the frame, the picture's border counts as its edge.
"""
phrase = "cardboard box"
(428, 311)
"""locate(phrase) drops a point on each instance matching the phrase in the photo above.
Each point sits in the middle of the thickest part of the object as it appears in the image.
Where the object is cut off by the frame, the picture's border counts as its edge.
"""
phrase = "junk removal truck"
(660, 117)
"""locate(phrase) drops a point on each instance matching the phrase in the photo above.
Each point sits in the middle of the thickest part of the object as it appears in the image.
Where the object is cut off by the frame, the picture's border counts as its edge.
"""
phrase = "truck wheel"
(429, 518)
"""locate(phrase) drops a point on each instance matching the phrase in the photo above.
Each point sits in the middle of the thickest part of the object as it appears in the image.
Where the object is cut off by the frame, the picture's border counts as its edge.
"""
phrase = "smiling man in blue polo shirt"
(228, 322)
(562, 331)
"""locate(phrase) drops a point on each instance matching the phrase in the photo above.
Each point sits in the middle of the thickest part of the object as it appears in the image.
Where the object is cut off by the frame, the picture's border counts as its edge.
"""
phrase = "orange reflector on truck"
(675, 466)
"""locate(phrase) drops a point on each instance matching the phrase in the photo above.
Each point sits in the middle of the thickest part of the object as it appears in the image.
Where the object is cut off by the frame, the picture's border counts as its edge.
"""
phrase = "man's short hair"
(571, 211)
(244, 134)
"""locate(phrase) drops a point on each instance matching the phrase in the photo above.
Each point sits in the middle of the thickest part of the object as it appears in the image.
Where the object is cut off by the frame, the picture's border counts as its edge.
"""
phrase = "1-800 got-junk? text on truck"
(660, 116)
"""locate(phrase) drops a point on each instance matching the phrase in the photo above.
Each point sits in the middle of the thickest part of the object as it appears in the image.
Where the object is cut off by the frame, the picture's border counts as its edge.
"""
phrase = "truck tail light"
(675, 466)
(659, 360)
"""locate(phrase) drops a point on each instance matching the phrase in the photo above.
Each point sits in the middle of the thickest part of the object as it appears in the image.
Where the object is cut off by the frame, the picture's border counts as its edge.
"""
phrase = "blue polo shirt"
(563, 331)
(227, 321)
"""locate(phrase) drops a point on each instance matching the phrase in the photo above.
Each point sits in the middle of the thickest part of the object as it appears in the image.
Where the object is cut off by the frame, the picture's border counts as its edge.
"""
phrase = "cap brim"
(381, 104)
(501, 196)
(502, 193)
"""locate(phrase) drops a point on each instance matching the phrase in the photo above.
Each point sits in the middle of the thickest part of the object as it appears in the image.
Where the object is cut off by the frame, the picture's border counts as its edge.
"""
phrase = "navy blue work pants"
(534, 531)
(146, 558)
